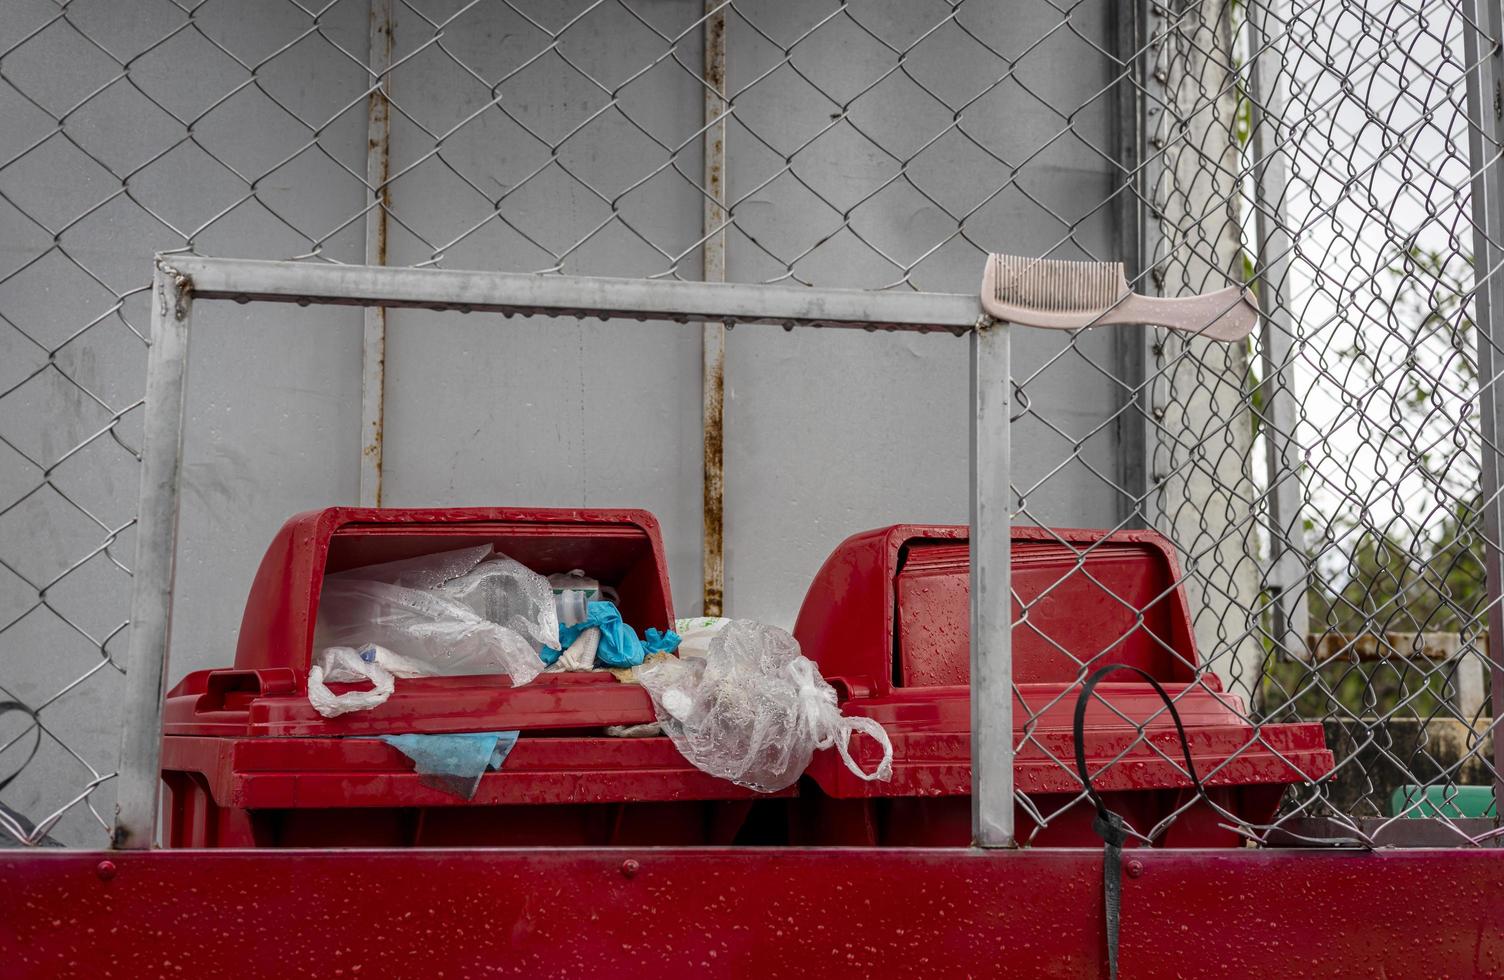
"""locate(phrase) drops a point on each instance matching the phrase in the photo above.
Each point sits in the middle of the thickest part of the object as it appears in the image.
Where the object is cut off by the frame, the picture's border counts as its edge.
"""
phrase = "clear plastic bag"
(422, 572)
(754, 709)
(510, 594)
(438, 624)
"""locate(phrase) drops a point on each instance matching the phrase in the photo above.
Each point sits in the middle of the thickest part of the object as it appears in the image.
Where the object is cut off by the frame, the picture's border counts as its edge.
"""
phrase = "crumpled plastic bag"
(345, 665)
(510, 594)
(436, 611)
(754, 709)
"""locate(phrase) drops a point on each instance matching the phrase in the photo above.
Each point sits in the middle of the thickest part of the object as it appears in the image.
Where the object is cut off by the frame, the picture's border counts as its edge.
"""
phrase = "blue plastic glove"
(619, 646)
(660, 641)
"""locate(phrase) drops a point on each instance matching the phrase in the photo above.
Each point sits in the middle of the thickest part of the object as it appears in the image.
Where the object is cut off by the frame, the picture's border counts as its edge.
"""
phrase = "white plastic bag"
(439, 622)
(696, 633)
(343, 665)
(754, 710)
(346, 665)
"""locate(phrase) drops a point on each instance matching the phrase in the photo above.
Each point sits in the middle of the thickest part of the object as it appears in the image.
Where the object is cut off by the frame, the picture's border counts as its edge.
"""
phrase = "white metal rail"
(179, 281)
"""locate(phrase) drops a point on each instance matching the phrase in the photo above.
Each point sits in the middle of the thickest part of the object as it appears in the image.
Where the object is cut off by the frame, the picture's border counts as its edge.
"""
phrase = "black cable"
(7, 707)
(20, 819)
(1108, 825)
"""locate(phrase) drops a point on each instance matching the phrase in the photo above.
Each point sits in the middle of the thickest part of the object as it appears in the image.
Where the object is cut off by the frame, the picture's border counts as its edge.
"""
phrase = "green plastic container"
(1443, 801)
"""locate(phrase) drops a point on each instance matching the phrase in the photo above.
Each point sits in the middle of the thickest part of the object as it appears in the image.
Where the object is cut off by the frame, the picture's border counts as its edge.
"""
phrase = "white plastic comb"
(1065, 295)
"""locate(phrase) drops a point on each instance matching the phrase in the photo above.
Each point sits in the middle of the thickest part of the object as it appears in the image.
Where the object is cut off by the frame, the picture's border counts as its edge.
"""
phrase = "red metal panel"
(751, 912)
(1398, 913)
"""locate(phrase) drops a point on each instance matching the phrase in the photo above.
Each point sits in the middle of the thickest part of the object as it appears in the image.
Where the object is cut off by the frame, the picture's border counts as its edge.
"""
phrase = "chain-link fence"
(1325, 486)
(1334, 517)
(1322, 484)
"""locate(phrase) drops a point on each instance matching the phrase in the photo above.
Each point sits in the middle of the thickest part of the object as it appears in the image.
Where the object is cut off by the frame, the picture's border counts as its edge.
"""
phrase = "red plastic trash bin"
(248, 762)
(888, 620)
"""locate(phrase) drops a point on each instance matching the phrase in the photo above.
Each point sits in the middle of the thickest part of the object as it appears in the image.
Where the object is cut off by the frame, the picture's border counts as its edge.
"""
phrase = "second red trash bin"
(888, 621)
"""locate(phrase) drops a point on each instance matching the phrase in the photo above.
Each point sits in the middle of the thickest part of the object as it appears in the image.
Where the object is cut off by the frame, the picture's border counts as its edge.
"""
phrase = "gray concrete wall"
(831, 433)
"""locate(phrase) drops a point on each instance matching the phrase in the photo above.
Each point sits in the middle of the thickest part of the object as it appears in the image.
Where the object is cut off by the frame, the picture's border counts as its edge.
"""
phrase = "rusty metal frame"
(179, 280)
(713, 335)
(378, 169)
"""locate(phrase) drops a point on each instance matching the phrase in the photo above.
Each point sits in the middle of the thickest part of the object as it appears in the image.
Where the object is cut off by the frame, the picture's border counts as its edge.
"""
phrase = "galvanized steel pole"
(991, 589)
(156, 559)
(1289, 568)
(1485, 104)
(1130, 347)
(257, 280)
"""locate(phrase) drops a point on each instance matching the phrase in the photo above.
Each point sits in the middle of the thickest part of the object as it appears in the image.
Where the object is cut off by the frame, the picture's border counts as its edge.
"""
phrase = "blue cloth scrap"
(454, 763)
(619, 646)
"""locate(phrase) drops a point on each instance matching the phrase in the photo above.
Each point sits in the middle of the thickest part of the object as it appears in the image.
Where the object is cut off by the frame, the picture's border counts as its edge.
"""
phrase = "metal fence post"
(156, 558)
(1130, 347)
(1288, 574)
(991, 591)
(713, 335)
(1485, 137)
